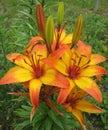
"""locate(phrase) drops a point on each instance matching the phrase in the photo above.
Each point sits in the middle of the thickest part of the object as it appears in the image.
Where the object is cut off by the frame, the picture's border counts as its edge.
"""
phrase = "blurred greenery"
(18, 25)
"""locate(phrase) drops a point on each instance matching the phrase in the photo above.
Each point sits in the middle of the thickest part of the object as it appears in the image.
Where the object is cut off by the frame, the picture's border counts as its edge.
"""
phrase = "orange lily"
(78, 66)
(34, 73)
(76, 104)
(60, 38)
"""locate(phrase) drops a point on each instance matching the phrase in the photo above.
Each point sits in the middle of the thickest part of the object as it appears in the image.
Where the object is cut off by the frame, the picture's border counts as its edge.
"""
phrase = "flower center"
(73, 71)
(39, 71)
(36, 64)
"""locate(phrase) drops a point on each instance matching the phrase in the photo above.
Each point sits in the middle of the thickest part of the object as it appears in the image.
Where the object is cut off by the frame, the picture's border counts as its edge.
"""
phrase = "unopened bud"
(41, 20)
(77, 30)
(60, 14)
(49, 31)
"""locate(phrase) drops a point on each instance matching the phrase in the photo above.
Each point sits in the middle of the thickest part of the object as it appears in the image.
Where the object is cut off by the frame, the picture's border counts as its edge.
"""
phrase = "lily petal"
(40, 50)
(61, 67)
(59, 52)
(63, 35)
(55, 55)
(20, 60)
(35, 40)
(65, 92)
(99, 78)
(13, 56)
(54, 78)
(16, 75)
(67, 57)
(90, 107)
(35, 86)
(83, 49)
(90, 87)
(92, 71)
(76, 93)
(57, 64)
(68, 39)
(96, 58)
(78, 116)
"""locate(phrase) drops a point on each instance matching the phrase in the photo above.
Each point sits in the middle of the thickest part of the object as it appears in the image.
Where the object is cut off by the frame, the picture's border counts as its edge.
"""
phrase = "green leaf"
(38, 117)
(48, 124)
(27, 108)
(28, 15)
(25, 4)
(37, 126)
(41, 113)
(24, 111)
(22, 125)
(55, 119)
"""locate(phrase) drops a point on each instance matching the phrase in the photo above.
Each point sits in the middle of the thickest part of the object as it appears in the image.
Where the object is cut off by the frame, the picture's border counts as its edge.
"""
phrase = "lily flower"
(79, 66)
(60, 39)
(33, 73)
(76, 104)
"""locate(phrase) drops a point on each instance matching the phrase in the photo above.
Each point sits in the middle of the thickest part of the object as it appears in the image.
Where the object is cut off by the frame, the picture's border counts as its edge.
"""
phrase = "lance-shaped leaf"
(49, 32)
(41, 20)
(77, 31)
(60, 13)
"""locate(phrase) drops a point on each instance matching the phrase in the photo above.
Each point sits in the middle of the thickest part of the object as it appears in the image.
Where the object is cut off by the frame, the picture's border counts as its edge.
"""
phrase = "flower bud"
(77, 30)
(60, 13)
(49, 31)
(41, 20)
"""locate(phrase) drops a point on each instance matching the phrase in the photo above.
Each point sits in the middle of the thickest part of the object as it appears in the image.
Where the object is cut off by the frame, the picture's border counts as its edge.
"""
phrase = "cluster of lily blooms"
(55, 62)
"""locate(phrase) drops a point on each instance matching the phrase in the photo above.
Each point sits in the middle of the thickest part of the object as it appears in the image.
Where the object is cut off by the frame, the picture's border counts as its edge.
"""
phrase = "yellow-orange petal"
(56, 64)
(83, 49)
(65, 92)
(59, 52)
(20, 60)
(35, 40)
(40, 51)
(77, 93)
(99, 78)
(63, 34)
(54, 56)
(67, 57)
(90, 107)
(90, 87)
(96, 58)
(13, 56)
(92, 71)
(16, 75)
(54, 78)
(32, 113)
(78, 115)
(61, 67)
(34, 89)
(67, 39)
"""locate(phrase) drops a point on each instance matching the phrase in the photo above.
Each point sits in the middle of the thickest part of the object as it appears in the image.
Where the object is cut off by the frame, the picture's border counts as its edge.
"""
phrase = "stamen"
(26, 62)
(73, 61)
(73, 71)
(86, 63)
(79, 61)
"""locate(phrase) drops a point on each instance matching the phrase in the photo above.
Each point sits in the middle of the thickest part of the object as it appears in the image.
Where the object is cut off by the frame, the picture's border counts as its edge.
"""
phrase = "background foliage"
(18, 25)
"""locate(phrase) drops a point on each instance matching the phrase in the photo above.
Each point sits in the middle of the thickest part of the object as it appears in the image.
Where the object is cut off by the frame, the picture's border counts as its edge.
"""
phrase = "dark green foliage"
(44, 119)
